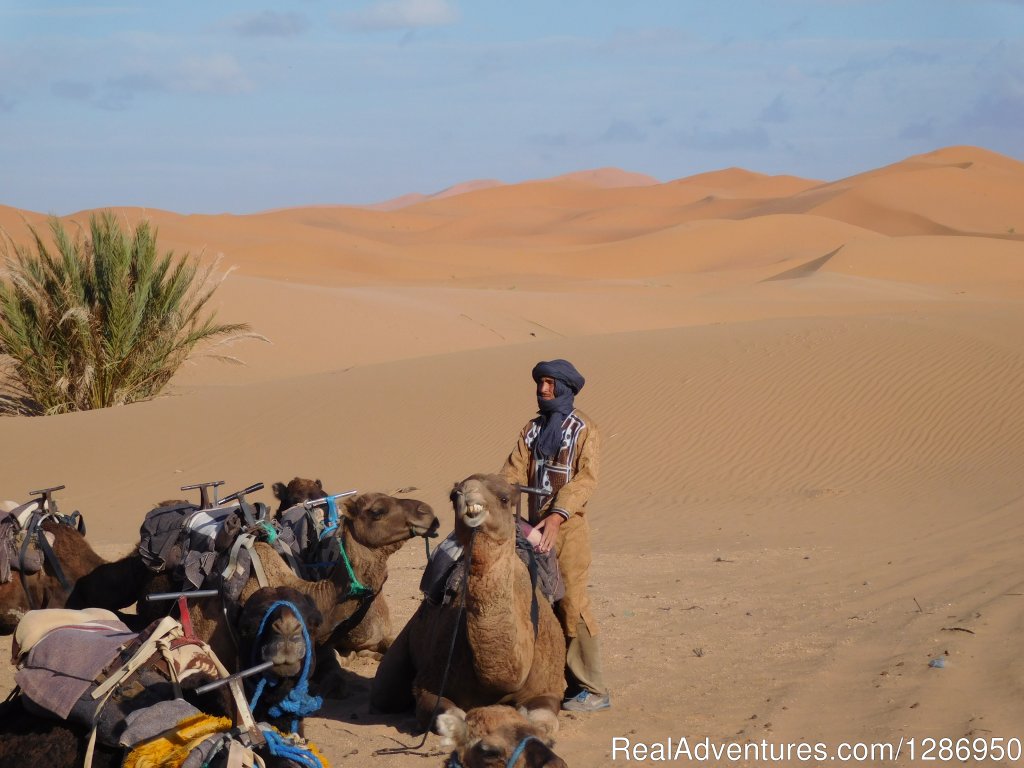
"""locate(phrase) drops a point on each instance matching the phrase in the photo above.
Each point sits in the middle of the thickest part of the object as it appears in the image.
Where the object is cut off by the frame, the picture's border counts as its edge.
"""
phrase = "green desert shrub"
(102, 322)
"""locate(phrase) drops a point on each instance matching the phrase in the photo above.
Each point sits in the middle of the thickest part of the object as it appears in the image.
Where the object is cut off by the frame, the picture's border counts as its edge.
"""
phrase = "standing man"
(558, 451)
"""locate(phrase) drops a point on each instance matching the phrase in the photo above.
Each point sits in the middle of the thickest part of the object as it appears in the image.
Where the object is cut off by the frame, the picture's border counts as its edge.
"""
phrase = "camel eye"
(377, 514)
(488, 750)
(504, 499)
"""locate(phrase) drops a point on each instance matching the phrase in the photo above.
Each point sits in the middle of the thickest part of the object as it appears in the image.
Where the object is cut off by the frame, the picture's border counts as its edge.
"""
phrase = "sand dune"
(809, 394)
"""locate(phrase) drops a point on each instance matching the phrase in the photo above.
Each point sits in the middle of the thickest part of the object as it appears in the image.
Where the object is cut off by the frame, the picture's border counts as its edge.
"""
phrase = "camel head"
(488, 737)
(377, 520)
(487, 503)
(270, 628)
(298, 490)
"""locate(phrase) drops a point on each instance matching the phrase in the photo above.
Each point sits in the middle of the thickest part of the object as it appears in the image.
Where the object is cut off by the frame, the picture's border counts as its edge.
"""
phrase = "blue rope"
(331, 523)
(454, 762)
(298, 702)
(279, 746)
(519, 750)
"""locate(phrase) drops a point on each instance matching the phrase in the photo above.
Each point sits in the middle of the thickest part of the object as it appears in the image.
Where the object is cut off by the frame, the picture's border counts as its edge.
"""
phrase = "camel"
(76, 559)
(298, 490)
(374, 526)
(28, 734)
(490, 736)
(277, 624)
(499, 656)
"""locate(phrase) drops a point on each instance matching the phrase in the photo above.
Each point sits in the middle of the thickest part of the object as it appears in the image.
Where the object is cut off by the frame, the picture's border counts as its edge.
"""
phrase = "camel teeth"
(474, 507)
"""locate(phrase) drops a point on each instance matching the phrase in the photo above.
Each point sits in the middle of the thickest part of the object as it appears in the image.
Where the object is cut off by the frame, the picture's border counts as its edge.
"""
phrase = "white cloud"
(269, 24)
(403, 14)
(218, 73)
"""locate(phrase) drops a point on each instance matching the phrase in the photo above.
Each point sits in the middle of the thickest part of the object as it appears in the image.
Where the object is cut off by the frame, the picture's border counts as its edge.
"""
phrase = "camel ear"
(451, 726)
(347, 506)
(279, 489)
(545, 720)
(319, 484)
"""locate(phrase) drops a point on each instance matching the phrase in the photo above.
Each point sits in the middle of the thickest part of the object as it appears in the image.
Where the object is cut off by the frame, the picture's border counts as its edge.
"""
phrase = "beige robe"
(571, 477)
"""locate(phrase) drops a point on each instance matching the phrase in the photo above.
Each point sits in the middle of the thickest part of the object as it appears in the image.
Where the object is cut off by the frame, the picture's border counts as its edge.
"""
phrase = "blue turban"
(568, 382)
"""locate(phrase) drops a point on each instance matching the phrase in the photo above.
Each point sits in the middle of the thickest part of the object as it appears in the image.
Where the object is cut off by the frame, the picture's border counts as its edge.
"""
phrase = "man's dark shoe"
(587, 701)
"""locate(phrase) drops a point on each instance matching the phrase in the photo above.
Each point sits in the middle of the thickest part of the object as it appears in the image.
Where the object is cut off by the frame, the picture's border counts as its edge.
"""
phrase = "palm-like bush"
(100, 323)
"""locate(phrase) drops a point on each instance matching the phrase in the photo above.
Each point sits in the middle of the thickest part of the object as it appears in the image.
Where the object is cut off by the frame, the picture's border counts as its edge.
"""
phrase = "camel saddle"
(88, 667)
(24, 545)
(186, 541)
(442, 578)
(304, 540)
(14, 554)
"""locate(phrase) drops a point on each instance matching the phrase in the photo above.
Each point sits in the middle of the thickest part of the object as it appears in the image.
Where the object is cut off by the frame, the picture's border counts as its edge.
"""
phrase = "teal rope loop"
(356, 587)
(269, 531)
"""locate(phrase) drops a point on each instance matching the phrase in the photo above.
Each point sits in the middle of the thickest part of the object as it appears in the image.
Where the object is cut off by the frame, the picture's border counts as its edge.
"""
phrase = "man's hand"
(549, 529)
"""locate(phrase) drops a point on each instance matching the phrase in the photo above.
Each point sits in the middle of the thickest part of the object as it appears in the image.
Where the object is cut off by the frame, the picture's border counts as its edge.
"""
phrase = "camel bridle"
(454, 762)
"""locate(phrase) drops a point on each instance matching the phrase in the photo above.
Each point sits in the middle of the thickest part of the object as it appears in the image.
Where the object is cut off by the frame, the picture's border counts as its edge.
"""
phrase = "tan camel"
(500, 657)
(374, 527)
(489, 736)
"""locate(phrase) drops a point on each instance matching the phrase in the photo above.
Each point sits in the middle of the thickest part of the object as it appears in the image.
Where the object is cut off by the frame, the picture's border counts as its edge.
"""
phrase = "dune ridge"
(809, 396)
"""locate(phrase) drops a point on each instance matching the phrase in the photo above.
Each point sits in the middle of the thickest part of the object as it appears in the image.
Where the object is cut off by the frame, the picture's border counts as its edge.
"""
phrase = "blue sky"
(233, 106)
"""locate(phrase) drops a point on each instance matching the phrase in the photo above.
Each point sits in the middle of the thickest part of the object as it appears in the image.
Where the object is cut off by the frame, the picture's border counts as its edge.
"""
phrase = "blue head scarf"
(568, 382)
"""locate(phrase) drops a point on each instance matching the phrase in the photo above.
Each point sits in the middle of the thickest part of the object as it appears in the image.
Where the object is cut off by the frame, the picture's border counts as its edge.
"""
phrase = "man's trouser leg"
(583, 660)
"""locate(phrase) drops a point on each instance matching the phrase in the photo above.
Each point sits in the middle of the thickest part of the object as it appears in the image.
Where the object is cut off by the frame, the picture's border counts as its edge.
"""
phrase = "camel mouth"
(474, 514)
(286, 669)
(427, 531)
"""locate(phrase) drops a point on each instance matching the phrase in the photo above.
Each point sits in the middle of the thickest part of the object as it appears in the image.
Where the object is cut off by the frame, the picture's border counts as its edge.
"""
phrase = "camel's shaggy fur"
(76, 559)
(298, 490)
(27, 739)
(487, 736)
(497, 658)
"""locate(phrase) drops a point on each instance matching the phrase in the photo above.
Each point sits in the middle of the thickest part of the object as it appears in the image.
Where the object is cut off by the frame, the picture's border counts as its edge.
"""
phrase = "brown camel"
(490, 736)
(277, 624)
(298, 490)
(500, 657)
(374, 526)
(76, 559)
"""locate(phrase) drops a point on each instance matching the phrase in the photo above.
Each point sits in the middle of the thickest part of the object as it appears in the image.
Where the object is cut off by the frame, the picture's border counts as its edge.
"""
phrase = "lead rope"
(448, 663)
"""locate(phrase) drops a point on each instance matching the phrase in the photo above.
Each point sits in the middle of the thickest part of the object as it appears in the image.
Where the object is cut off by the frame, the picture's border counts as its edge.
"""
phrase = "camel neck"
(368, 565)
(498, 613)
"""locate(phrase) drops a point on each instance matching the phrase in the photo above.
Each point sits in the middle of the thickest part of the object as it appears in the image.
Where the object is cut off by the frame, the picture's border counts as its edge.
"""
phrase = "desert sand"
(811, 396)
